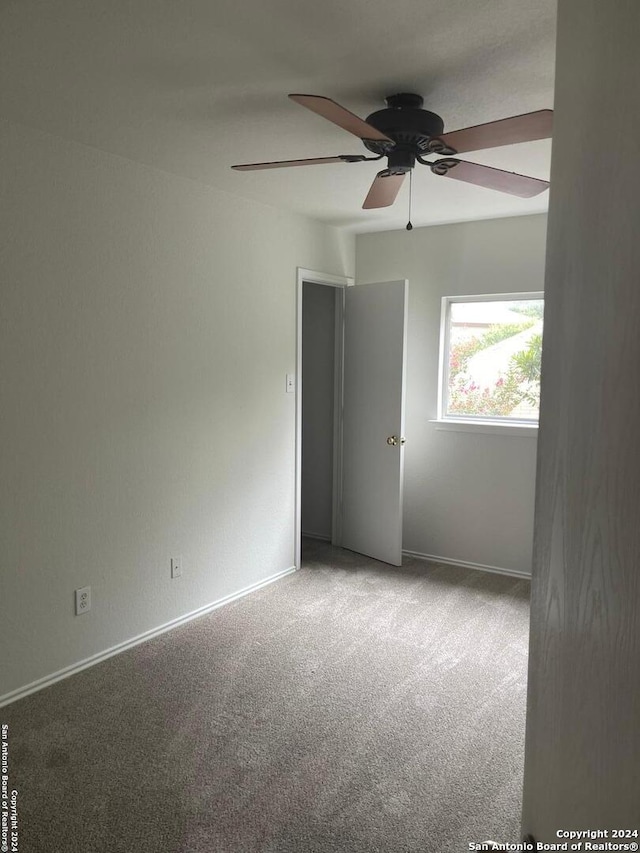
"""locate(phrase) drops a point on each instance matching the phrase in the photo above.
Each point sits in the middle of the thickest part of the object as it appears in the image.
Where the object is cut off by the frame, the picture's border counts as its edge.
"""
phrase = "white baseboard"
(496, 570)
(47, 680)
(321, 536)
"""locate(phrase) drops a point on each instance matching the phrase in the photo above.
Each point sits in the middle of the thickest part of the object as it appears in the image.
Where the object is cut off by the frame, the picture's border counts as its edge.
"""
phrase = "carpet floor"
(350, 706)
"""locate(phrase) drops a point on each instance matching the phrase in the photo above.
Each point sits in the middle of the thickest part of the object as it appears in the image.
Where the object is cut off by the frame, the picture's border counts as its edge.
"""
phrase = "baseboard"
(496, 570)
(48, 680)
(321, 536)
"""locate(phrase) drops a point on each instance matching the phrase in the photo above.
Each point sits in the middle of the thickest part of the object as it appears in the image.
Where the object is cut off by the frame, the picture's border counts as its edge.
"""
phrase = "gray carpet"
(348, 707)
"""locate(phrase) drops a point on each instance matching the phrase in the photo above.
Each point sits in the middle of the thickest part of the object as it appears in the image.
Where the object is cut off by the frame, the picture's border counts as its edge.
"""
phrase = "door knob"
(394, 441)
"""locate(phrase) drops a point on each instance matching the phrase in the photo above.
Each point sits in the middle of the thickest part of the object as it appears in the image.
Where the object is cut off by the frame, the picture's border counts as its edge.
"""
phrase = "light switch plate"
(291, 383)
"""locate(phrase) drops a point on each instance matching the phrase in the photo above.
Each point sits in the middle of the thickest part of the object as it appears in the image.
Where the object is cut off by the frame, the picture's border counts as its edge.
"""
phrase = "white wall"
(318, 342)
(583, 735)
(147, 324)
(468, 497)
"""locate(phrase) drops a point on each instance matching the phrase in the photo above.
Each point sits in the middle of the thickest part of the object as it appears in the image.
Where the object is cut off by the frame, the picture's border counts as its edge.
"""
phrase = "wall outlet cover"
(83, 600)
(176, 567)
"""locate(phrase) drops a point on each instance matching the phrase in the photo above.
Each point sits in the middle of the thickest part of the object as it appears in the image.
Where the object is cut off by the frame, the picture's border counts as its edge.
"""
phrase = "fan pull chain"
(409, 225)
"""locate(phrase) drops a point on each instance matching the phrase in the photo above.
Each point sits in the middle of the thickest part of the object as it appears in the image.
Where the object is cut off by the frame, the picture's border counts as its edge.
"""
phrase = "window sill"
(529, 430)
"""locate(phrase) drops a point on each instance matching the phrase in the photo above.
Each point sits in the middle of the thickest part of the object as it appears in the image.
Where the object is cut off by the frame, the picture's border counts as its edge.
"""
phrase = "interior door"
(375, 324)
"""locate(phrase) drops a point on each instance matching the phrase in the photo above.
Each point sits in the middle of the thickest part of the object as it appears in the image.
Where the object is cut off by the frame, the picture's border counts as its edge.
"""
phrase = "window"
(490, 358)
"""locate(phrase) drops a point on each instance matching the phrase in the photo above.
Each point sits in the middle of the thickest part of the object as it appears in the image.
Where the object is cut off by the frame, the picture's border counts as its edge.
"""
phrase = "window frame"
(471, 423)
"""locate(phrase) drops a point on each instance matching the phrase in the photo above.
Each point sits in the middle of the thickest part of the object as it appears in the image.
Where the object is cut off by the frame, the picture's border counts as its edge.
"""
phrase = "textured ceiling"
(192, 87)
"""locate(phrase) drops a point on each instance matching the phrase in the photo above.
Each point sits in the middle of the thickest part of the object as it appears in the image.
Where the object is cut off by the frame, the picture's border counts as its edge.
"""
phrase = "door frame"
(340, 283)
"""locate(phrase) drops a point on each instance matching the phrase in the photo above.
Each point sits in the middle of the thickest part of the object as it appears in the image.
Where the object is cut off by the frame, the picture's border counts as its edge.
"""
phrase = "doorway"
(366, 445)
(319, 366)
(320, 333)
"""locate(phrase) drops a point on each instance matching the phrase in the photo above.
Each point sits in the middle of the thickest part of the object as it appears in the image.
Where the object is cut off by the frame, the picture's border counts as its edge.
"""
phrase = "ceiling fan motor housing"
(409, 126)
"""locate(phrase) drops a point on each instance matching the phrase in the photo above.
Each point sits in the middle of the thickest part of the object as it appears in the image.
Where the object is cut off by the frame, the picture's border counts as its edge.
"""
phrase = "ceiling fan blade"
(332, 111)
(384, 189)
(313, 161)
(487, 176)
(507, 131)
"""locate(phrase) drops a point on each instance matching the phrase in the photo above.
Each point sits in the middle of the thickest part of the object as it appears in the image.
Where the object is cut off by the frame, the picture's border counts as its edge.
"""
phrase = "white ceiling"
(194, 86)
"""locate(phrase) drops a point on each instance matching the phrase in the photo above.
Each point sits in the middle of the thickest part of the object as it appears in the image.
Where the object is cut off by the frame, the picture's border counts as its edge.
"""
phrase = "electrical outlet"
(83, 600)
(176, 567)
(291, 383)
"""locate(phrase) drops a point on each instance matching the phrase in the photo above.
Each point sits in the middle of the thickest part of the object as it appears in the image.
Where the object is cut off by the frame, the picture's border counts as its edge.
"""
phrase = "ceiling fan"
(405, 133)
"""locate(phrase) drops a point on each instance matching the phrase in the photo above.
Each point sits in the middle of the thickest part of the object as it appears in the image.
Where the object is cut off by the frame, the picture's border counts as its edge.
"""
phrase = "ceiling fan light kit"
(404, 132)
